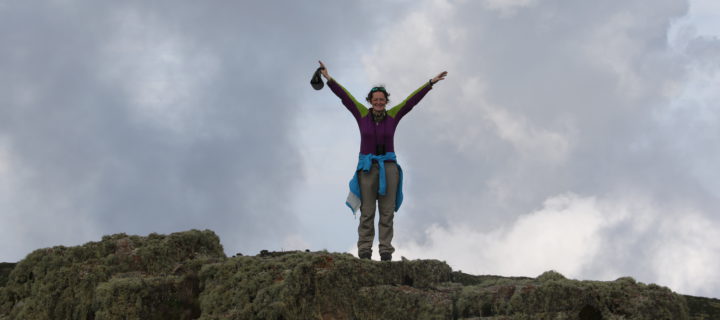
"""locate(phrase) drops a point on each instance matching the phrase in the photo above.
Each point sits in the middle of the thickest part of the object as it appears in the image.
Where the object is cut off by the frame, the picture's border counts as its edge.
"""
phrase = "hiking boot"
(365, 255)
(385, 256)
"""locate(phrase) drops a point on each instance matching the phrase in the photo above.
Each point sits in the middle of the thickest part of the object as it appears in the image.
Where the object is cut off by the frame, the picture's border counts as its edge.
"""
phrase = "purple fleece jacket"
(371, 133)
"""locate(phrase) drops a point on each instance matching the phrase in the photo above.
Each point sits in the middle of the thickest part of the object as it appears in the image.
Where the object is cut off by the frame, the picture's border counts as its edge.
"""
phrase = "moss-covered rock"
(403, 302)
(186, 276)
(321, 285)
(305, 285)
(141, 297)
(552, 296)
(61, 282)
(703, 308)
(5, 269)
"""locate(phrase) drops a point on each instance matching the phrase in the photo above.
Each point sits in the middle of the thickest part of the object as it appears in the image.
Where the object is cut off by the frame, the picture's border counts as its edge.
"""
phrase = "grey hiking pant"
(369, 191)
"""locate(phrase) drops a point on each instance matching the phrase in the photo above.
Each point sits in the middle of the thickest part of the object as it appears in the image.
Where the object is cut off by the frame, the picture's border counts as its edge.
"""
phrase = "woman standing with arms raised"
(378, 178)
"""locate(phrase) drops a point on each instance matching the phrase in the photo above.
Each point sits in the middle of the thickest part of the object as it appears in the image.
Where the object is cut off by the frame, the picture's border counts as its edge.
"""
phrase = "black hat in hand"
(316, 81)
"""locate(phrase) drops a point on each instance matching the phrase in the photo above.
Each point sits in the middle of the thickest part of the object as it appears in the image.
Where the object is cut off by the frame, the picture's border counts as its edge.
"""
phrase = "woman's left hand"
(439, 77)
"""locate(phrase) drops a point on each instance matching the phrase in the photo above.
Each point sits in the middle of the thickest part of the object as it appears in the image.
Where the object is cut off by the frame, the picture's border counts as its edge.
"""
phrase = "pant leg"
(387, 208)
(368, 191)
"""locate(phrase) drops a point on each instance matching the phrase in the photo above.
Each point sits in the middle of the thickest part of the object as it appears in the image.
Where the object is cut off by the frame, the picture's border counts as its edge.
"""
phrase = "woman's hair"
(380, 88)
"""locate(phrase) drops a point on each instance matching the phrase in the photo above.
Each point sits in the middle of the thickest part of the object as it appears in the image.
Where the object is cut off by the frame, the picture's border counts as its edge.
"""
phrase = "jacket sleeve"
(414, 98)
(356, 108)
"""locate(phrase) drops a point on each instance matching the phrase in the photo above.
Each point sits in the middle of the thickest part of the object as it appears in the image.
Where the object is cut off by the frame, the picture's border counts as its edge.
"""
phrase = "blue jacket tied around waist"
(365, 162)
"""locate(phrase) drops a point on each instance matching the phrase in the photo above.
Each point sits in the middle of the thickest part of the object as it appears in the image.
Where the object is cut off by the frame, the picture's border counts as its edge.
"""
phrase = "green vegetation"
(187, 276)
(72, 282)
(137, 296)
(703, 308)
(311, 285)
(5, 269)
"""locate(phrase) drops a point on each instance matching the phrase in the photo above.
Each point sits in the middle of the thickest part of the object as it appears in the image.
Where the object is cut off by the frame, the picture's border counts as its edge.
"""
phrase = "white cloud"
(686, 255)
(295, 242)
(563, 235)
(703, 15)
(578, 236)
(417, 48)
(691, 121)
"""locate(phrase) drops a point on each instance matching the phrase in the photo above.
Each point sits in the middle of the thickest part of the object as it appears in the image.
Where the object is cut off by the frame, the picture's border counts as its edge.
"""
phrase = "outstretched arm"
(356, 108)
(414, 98)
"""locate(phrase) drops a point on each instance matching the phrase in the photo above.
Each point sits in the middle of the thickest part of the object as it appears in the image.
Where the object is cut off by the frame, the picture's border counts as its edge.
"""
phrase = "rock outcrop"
(186, 275)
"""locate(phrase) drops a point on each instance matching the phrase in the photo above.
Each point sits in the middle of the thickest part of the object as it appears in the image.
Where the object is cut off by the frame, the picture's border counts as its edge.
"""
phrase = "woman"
(378, 178)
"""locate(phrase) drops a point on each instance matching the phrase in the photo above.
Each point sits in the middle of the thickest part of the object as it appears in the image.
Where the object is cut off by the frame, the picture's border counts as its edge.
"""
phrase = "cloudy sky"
(580, 136)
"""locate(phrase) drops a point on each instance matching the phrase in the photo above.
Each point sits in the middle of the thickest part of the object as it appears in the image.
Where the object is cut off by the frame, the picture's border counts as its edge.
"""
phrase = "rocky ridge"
(186, 275)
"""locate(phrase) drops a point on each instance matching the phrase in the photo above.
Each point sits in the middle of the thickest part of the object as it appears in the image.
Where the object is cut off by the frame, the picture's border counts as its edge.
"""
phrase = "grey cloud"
(158, 116)
(584, 97)
(591, 73)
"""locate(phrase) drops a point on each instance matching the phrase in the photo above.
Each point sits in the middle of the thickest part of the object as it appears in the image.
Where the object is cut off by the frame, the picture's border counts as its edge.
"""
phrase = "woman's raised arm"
(414, 98)
(356, 108)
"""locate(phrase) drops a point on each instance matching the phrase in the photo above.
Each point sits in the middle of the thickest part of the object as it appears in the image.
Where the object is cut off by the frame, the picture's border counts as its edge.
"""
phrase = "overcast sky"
(580, 136)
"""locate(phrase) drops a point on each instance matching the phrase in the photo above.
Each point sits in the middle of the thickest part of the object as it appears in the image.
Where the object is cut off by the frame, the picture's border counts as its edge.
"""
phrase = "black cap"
(316, 81)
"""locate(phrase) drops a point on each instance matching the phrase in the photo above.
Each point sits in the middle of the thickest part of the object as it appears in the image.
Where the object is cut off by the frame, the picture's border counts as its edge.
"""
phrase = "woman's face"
(378, 101)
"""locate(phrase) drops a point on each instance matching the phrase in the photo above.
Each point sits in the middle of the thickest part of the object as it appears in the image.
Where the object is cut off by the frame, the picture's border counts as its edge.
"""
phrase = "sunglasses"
(378, 89)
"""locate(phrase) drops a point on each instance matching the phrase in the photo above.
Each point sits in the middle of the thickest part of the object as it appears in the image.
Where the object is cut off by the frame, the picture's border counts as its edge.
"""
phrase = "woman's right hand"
(324, 71)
